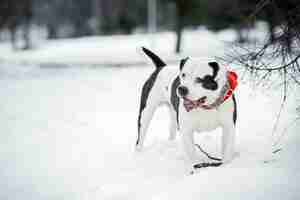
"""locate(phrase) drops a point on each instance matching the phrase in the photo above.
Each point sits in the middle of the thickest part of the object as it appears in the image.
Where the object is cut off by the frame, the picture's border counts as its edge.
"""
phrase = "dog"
(200, 97)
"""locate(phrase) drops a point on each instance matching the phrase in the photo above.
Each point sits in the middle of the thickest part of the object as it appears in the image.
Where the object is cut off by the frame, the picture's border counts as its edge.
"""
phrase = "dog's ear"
(182, 62)
(215, 66)
(157, 61)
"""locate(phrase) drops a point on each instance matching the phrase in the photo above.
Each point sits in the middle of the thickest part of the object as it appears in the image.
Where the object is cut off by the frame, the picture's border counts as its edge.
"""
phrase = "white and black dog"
(200, 97)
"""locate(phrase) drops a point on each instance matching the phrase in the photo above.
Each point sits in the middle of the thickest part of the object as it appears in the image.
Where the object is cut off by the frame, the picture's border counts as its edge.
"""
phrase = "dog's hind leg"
(143, 124)
(150, 99)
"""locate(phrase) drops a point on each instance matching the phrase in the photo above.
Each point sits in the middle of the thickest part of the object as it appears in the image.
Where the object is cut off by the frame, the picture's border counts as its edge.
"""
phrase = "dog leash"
(205, 153)
(207, 164)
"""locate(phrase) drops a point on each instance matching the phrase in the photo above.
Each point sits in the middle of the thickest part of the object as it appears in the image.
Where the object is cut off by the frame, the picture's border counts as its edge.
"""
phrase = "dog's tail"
(157, 61)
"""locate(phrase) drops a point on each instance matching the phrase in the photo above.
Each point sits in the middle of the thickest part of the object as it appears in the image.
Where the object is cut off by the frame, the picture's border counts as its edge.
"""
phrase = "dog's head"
(201, 80)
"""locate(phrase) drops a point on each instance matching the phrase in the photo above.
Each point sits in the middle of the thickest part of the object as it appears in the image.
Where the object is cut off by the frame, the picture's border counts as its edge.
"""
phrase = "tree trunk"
(178, 37)
(271, 29)
(26, 34)
(13, 30)
(52, 31)
(179, 25)
(240, 39)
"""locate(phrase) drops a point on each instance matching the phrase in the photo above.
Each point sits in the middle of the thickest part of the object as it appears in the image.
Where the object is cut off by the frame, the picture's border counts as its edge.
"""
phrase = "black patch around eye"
(207, 78)
(209, 83)
(199, 80)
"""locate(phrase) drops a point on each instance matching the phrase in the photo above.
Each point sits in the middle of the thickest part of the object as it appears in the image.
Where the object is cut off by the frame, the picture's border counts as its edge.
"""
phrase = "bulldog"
(200, 98)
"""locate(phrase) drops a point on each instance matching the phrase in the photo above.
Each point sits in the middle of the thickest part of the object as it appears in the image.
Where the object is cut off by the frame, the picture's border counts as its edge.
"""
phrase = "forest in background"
(75, 18)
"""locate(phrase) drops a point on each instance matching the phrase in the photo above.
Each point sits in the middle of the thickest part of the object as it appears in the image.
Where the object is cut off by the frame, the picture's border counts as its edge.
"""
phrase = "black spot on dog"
(144, 97)
(215, 66)
(235, 109)
(182, 62)
(174, 98)
(208, 81)
(157, 61)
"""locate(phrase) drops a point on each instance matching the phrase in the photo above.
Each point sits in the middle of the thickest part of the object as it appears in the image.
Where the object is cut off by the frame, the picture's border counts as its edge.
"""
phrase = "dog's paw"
(192, 172)
(138, 148)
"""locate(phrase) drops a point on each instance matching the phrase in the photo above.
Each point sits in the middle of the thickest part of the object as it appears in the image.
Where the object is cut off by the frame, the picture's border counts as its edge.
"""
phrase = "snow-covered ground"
(119, 49)
(69, 132)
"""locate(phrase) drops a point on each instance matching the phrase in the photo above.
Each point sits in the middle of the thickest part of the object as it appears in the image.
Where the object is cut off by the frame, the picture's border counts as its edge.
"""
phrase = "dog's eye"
(199, 80)
(183, 75)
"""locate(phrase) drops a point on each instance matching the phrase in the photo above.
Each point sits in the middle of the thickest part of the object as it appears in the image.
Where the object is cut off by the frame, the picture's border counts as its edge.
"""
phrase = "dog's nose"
(183, 91)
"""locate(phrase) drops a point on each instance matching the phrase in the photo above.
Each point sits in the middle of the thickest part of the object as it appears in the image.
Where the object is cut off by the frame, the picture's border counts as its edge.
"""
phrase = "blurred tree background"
(76, 18)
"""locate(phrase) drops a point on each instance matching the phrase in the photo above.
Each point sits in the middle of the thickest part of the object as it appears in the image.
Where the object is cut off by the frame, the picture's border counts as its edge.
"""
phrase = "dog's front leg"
(189, 148)
(228, 142)
(173, 124)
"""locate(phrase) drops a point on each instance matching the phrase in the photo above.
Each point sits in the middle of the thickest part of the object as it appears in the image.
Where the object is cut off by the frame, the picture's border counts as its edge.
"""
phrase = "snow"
(120, 49)
(69, 132)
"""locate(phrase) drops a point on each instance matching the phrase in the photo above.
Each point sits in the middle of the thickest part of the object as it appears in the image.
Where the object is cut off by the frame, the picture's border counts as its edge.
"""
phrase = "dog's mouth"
(189, 104)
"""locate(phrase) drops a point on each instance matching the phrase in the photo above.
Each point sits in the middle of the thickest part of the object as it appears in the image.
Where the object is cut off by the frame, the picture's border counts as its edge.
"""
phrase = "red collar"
(225, 93)
(232, 80)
